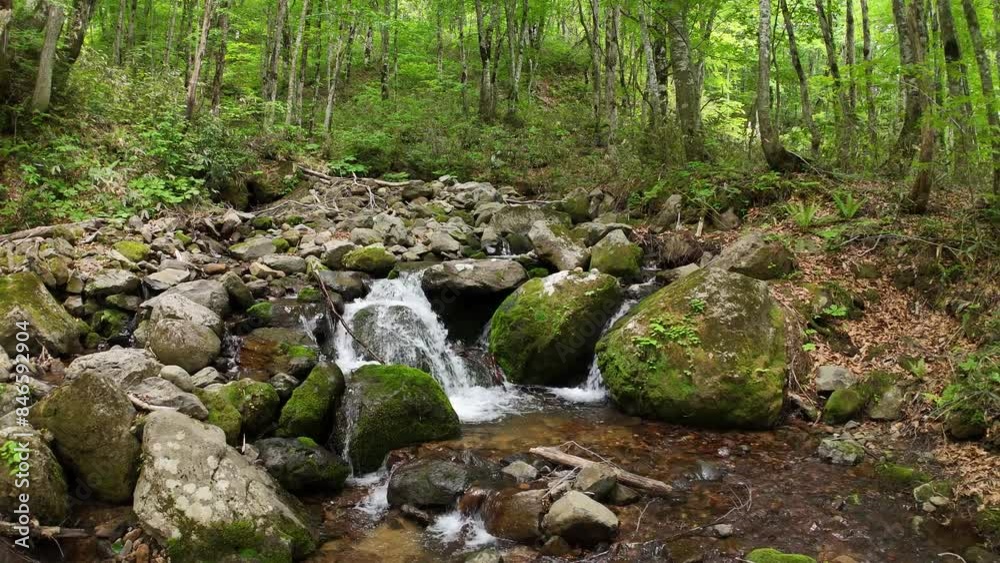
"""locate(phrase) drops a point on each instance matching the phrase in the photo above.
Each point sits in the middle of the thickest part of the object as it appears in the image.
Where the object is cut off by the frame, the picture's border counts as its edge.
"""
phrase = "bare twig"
(340, 319)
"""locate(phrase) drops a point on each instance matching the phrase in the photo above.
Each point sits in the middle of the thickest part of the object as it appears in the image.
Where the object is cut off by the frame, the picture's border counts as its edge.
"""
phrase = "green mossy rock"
(842, 406)
(133, 250)
(988, 522)
(309, 410)
(257, 403)
(388, 407)
(617, 256)
(90, 419)
(47, 489)
(901, 474)
(221, 413)
(109, 322)
(708, 350)
(373, 259)
(262, 312)
(24, 298)
(770, 555)
(269, 351)
(544, 333)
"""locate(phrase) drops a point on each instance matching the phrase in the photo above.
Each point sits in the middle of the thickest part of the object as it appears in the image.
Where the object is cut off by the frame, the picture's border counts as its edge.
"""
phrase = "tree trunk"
(869, 72)
(793, 48)
(293, 71)
(652, 83)
(686, 90)
(920, 192)
(986, 82)
(595, 69)
(83, 9)
(220, 58)
(464, 78)
(849, 57)
(777, 157)
(957, 88)
(384, 64)
(487, 105)
(610, 72)
(199, 55)
(271, 82)
(845, 118)
(902, 151)
(46, 61)
(120, 33)
(170, 35)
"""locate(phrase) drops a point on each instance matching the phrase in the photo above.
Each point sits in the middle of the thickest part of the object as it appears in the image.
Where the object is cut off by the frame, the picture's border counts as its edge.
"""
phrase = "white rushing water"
(454, 527)
(376, 502)
(593, 390)
(396, 319)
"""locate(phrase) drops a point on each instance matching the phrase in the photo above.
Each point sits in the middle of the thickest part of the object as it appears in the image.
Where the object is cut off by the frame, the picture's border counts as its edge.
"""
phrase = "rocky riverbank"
(203, 370)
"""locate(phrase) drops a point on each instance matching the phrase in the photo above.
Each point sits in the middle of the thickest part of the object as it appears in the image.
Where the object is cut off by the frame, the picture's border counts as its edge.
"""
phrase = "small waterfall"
(397, 322)
(592, 390)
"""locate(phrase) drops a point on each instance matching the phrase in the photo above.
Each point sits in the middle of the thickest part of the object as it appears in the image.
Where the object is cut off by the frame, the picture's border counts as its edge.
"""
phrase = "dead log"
(387, 184)
(10, 530)
(637, 481)
(316, 174)
(49, 230)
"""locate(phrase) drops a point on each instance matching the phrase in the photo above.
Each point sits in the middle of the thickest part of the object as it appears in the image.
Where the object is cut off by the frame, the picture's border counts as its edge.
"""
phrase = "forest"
(500, 280)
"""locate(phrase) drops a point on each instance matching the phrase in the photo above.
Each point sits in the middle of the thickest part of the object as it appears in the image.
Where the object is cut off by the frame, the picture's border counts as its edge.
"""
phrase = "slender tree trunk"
(170, 35)
(686, 90)
(293, 72)
(6, 15)
(986, 82)
(220, 57)
(46, 60)
(439, 32)
(846, 117)
(83, 10)
(487, 106)
(920, 192)
(652, 82)
(849, 57)
(133, 15)
(901, 155)
(369, 40)
(777, 157)
(199, 55)
(611, 55)
(271, 82)
(464, 78)
(384, 64)
(120, 33)
(593, 36)
(806, 104)
(957, 87)
(869, 72)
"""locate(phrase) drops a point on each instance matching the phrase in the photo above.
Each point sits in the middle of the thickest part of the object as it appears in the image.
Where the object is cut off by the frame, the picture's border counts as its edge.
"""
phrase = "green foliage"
(976, 388)
(846, 204)
(10, 455)
(803, 213)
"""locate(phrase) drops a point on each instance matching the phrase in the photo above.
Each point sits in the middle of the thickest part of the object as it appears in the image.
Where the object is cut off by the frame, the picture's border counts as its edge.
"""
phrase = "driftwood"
(9, 530)
(556, 455)
(146, 406)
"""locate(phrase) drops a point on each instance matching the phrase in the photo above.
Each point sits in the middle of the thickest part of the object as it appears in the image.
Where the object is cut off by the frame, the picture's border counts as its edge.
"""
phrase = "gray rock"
(184, 344)
(350, 285)
(206, 377)
(622, 495)
(441, 242)
(110, 282)
(334, 252)
(669, 215)
(753, 256)
(124, 366)
(364, 237)
(841, 452)
(46, 488)
(178, 376)
(391, 229)
(597, 480)
(521, 472)
(178, 307)
(831, 378)
(520, 219)
(557, 250)
(162, 393)
(488, 555)
(124, 302)
(475, 277)
(580, 520)
(515, 515)
(25, 299)
(889, 406)
(284, 384)
(284, 263)
(252, 249)
(300, 465)
(239, 294)
(192, 486)
(165, 279)
(207, 293)
(428, 483)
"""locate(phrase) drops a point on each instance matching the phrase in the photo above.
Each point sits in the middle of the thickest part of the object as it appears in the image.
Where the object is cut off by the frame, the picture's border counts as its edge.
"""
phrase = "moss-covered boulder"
(387, 407)
(709, 350)
(617, 256)
(133, 250)
(755, 256)
(301, 465)
(24, 300)
(544, 333)
(207, 503)
(269, 351)
(109, 322)
(46, 488)
(556, 245)
(257, 402)
(842, 406)
(182, 343)
(221, 413)
(770, 555)
(309, 411)
(372, 259)
(90, 419)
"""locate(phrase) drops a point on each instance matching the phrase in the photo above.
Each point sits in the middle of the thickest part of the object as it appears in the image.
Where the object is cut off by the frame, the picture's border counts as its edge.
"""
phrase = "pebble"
(929, 507)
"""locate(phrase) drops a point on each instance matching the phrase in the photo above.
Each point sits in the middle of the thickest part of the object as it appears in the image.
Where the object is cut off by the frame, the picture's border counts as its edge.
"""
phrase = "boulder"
(124, 366)
(544, 333)
(162, 393)
(842, 406)
(770, 555)
(617, 256)
(184, 344)
(428, 483)
(46, 489)
(350, 285)
(284, 263)
(831, 378)
(521, 472)
(555, 246)
(269, 351)
(373, 259)
(111, 282)
(179, 377)
(596, 480)
(519, 219)
(387, 407)
(474, 277)
(252, 249)
(841, 451)
(90, 419)
(888, 405)
(678, 248)
(711, 350)
(165, 279)
(221, 413)
(754, 256)
(206, 502)
(179, 307)
(580, 520)
(239, 294)
(257, 402)
(207, 293)
(334, 253)
(302, 466)
(25, 299)
(515, 515)
(309, 410)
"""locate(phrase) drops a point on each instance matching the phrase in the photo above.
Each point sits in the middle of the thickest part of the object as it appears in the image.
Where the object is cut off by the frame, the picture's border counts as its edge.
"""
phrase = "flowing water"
(398, 322)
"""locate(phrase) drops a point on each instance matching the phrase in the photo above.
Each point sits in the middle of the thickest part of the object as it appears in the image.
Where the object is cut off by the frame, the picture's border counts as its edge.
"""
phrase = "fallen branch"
(146, 406)
(10, 530)
(387, 184)
(46, 231)
(316, 174)
(639, 482)
(333, 309)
